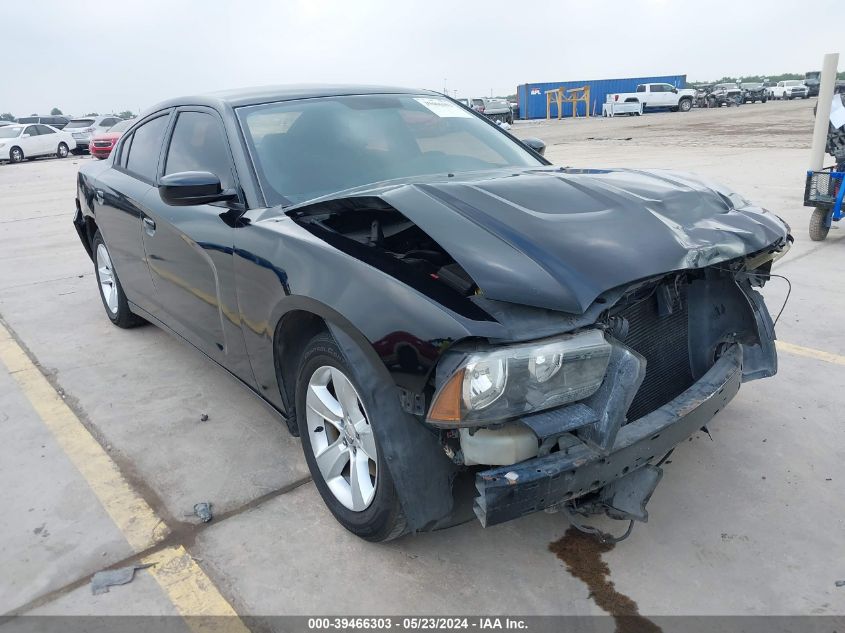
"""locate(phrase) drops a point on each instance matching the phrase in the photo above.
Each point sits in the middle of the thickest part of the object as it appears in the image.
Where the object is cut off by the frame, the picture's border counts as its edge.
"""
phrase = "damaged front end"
(610, 314)
(679, 348)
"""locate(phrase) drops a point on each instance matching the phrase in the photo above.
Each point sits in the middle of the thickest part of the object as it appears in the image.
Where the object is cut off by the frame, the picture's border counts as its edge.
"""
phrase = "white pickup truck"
(658, 96)
(789, 89)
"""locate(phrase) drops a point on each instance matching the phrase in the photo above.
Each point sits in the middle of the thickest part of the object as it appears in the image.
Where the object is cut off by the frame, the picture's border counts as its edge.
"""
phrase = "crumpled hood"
(558, 238)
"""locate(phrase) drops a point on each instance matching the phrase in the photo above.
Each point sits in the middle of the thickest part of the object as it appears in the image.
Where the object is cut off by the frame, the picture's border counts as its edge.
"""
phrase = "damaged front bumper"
(508, 492)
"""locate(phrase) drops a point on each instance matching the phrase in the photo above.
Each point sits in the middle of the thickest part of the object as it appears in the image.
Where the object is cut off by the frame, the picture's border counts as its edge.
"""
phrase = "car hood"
(558, 238)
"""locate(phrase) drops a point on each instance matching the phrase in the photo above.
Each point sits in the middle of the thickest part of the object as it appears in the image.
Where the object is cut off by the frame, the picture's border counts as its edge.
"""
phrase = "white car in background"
(789, 89)
(19, 142)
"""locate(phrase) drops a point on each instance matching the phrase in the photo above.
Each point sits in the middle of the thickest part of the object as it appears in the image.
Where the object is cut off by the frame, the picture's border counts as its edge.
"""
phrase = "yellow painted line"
(139, 524)
(809, 352)
(192, 592)
(187, 586)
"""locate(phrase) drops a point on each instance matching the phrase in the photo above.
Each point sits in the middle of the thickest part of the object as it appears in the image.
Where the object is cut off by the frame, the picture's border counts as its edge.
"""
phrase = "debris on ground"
(840, 583)
(102, 580)
(204, 417)
(203, 511)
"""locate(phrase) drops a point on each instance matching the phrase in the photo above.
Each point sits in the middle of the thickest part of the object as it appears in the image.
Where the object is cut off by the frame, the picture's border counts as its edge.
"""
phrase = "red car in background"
(102, 144)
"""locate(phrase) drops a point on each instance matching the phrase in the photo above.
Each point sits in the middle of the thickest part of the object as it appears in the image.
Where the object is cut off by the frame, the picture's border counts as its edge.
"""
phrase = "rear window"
(145, 148)
(75, 123)
(478, 102)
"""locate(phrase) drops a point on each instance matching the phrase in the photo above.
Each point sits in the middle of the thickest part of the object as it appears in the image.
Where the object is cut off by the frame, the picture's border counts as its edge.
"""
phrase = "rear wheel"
(111, 292)
(341, 447)
(820, 224)
(62, 151)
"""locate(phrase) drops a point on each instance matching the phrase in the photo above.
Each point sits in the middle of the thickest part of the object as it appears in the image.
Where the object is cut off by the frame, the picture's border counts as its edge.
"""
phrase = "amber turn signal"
(447, 401)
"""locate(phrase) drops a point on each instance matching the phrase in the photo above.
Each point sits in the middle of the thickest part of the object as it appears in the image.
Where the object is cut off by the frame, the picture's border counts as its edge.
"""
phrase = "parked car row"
(496, 109)
(97, 134)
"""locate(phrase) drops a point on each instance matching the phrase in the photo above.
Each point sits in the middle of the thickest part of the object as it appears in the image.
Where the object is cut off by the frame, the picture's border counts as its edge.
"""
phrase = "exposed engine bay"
(377, 225)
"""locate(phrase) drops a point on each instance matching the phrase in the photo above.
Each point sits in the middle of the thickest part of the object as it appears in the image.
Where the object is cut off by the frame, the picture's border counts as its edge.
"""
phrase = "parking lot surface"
(103, 452)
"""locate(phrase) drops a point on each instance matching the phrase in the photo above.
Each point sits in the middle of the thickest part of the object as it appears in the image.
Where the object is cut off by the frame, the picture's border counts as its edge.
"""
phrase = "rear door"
(49, 139)
(190, 248)
(119, 206)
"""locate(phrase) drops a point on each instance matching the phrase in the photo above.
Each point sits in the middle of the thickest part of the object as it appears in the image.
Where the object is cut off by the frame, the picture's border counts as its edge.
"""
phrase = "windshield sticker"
(442, 108)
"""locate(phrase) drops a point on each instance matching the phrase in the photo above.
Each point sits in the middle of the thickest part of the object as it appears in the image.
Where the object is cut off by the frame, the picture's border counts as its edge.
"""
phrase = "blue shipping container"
(532, 97)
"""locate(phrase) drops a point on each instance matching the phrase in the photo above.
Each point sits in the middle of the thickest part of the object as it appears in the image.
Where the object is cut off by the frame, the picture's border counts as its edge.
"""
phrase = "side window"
(641, 88)
(32, 130)
(198, 144)
(43, 129)
(146, 145)
(124, 151)
(656, 88)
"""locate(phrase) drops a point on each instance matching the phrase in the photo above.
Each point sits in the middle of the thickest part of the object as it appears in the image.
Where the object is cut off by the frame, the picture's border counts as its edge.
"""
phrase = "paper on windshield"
(837, 112)
(442, 107)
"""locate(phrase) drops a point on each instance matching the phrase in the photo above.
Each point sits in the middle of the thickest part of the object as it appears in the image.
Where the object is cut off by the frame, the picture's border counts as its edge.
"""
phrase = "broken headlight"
(506, 382)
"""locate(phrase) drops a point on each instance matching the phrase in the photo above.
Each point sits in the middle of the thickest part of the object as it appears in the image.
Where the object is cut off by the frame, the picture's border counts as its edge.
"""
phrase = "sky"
(96, 56)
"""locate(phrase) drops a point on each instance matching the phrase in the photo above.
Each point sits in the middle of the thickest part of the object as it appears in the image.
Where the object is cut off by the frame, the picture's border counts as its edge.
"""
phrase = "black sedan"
(428, 302)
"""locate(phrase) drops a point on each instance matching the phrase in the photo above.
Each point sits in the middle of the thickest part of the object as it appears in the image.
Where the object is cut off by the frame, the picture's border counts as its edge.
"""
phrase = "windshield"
(122, 126)
(309, 148)
(9, 131)
(79, 123)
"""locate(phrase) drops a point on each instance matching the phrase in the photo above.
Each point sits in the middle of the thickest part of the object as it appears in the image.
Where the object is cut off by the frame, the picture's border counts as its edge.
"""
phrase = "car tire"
(16, 155)
(62, 150)
(819, 225)
(111, 292)
(375, 513)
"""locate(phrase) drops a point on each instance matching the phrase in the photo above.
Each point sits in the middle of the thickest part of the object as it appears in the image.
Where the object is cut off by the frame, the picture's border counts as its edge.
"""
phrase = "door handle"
(149, 226)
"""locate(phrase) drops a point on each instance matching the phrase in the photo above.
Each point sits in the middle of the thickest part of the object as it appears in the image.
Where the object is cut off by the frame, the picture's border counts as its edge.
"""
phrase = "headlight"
(507, 382)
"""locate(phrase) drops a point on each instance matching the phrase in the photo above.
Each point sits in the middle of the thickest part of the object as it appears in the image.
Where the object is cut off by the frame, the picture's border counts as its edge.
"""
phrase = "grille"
(102, 143)
(663, 341)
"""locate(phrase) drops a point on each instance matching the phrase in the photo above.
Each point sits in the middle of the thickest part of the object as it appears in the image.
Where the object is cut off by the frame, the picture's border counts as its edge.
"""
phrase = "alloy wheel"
(63, 151)
(17, 155)
(108, 283)
(341, 438)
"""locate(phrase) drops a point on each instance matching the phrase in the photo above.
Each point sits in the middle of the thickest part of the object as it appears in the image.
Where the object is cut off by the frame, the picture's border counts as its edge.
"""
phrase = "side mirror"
(189, 188)
(675, 90)
(536, 144)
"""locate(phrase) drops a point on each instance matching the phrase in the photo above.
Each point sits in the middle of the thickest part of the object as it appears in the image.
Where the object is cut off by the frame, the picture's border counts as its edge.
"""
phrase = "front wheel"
(341, 447)
(62, 151)
(16, 155)
(820, 224)
(111, 292)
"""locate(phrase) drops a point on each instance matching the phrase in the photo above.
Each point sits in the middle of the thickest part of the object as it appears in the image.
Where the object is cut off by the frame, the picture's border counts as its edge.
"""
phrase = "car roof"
(268, 94)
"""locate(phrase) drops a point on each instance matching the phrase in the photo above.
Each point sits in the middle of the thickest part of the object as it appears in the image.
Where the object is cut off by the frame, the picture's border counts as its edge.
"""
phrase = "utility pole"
(826, 83)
